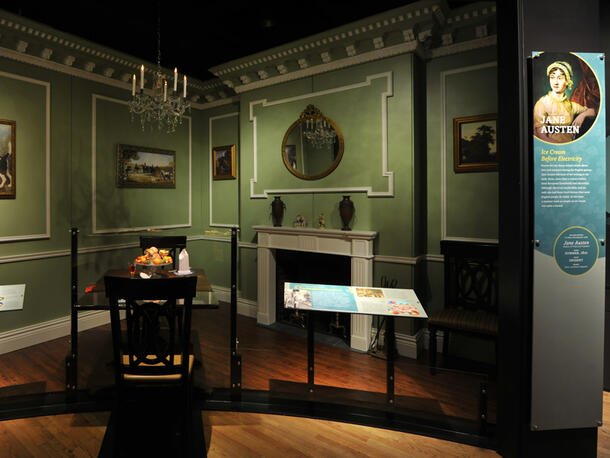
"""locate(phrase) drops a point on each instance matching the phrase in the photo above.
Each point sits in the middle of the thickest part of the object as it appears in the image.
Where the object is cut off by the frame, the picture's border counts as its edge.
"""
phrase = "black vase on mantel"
(346, 210)
(277, 211)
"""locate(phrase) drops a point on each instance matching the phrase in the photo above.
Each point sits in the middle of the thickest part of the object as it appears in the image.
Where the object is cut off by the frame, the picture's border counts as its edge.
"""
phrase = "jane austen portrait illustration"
(567, 111)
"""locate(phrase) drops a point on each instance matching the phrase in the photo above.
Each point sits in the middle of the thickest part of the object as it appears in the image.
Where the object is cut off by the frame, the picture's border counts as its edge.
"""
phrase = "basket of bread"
(154, 257)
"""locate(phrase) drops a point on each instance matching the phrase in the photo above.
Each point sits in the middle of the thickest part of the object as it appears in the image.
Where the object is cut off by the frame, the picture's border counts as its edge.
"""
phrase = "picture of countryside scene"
(478, 142)
(146, 169)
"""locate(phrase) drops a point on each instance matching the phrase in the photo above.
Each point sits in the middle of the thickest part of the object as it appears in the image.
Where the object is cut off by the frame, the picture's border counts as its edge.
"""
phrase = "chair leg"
(445, 343)
(432, 350)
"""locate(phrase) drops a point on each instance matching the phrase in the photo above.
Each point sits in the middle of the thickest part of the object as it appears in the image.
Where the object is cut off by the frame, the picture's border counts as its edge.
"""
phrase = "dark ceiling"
(198, 35)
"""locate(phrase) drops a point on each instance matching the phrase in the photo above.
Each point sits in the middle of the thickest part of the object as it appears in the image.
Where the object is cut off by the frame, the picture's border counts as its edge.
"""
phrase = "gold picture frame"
(8, 187)
(224, 162)
(475, 142)
(145, 167)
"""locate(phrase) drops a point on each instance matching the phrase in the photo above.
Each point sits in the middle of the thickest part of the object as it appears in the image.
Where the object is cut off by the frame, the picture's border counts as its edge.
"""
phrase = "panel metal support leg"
(391, 349)
(483, 409)
(310, 351)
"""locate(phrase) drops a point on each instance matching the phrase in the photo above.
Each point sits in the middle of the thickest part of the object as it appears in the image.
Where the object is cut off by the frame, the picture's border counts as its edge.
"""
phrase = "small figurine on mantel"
(300, 221)
(321, 223)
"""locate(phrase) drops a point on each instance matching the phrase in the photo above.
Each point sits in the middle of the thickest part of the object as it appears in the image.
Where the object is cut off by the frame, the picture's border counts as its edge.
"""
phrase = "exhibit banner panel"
(569, 257)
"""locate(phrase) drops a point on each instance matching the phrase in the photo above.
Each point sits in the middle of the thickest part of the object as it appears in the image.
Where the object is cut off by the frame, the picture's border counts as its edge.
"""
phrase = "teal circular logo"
(576, 250)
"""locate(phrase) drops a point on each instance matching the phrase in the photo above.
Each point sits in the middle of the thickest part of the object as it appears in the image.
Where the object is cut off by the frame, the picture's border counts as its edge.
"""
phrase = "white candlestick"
(184, 93)
(133, 85)
(165, 90)
(142, 77)
(175, 79)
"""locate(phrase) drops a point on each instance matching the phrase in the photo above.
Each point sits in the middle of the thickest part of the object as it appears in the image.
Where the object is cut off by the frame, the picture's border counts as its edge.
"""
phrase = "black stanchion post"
(72, 358)
(235, 356)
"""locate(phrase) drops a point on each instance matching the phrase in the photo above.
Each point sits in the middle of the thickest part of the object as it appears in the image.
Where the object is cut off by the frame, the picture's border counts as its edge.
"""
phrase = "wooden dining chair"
(153, 359)
(173, 243)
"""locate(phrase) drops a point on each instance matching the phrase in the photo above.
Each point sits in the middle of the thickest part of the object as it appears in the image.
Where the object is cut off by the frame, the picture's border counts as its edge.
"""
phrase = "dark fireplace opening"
(304, 267)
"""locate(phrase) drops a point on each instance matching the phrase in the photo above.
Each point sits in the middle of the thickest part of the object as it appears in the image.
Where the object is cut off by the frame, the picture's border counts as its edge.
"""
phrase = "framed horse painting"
(7, 159)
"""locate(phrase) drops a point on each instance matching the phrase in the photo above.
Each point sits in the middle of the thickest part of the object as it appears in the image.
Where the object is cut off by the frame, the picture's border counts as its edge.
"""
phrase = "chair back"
(173, 243)
(156, 338)
(470, 275)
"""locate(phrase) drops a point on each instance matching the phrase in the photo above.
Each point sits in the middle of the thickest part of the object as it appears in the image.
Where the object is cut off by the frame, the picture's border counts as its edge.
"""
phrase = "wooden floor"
(235, 434)
(232, 434)
(272, 361)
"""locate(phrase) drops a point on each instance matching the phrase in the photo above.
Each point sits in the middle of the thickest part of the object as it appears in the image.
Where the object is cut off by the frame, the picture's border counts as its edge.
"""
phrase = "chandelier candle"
(142, 77)
(175, 79)
(184, 95)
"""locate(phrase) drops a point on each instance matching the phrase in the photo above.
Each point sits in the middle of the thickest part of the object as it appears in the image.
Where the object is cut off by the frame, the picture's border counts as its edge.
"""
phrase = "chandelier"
(160, 107)
(317, 129)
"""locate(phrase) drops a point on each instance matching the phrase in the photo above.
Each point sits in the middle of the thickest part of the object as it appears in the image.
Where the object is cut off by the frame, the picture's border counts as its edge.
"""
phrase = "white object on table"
(183, 263)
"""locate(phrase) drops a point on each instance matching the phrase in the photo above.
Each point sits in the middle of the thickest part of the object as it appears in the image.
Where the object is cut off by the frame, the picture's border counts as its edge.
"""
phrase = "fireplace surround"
(358, 245)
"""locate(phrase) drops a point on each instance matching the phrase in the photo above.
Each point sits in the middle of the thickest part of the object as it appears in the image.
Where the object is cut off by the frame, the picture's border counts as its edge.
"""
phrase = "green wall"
(88, 120)
(457, 86)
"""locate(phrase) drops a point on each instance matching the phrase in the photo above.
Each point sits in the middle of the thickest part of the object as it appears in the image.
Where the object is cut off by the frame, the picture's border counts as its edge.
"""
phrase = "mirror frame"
(305, 116)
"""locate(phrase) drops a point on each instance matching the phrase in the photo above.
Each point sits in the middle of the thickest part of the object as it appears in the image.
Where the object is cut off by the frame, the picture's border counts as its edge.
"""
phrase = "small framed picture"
(475, 146)
(144, 167)
(224, 162)
(8, 189)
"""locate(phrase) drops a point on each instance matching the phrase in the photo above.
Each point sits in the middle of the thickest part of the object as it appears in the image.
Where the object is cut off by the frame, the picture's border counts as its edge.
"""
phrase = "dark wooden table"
(96, 299)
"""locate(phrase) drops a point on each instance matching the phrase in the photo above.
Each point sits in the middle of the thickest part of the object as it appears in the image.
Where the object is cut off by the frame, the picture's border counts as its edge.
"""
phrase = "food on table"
(154, 256)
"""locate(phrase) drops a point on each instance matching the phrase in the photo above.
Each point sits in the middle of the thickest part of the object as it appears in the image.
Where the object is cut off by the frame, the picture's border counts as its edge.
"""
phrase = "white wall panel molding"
(211, 170)
(47, 230)
(443, 137)
(94, 229)
(385, 173)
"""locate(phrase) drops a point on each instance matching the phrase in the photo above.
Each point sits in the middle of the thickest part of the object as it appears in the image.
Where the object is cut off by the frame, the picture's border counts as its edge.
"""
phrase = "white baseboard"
(409, 346)
(245, 307)
(440, 336)
(27, 336)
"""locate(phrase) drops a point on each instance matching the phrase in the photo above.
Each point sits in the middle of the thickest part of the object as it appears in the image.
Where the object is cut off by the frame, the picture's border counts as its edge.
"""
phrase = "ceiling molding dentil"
(428, 28)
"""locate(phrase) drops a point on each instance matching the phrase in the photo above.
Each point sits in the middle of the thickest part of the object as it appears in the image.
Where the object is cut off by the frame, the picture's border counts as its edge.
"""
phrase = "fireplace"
(357, 246)
(306, 267)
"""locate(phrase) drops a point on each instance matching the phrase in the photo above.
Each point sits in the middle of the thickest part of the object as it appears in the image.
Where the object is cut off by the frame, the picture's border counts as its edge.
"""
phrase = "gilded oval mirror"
(312, 146)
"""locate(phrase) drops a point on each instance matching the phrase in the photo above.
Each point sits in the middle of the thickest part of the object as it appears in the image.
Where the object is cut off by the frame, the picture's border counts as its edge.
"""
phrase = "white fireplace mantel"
(358, 245)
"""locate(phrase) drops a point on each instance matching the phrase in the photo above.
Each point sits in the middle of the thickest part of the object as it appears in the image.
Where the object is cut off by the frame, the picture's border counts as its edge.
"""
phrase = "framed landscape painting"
(144, 167)
(224, 162)
(475, 143)
(8, 189)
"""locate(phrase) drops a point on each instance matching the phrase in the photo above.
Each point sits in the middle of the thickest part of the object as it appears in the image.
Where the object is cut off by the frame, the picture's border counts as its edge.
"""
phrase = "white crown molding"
(211, 169)
(461, 47)
(30, 42)
(334, 65)
(443, 137)
(94, 229)
(384, 142)
(47, 233)
(216, 103)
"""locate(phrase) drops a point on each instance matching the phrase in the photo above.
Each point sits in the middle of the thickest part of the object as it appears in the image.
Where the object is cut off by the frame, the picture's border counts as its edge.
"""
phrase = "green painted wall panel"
(434, 115)
(472, 198)
(137, 207)
(225, 193)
